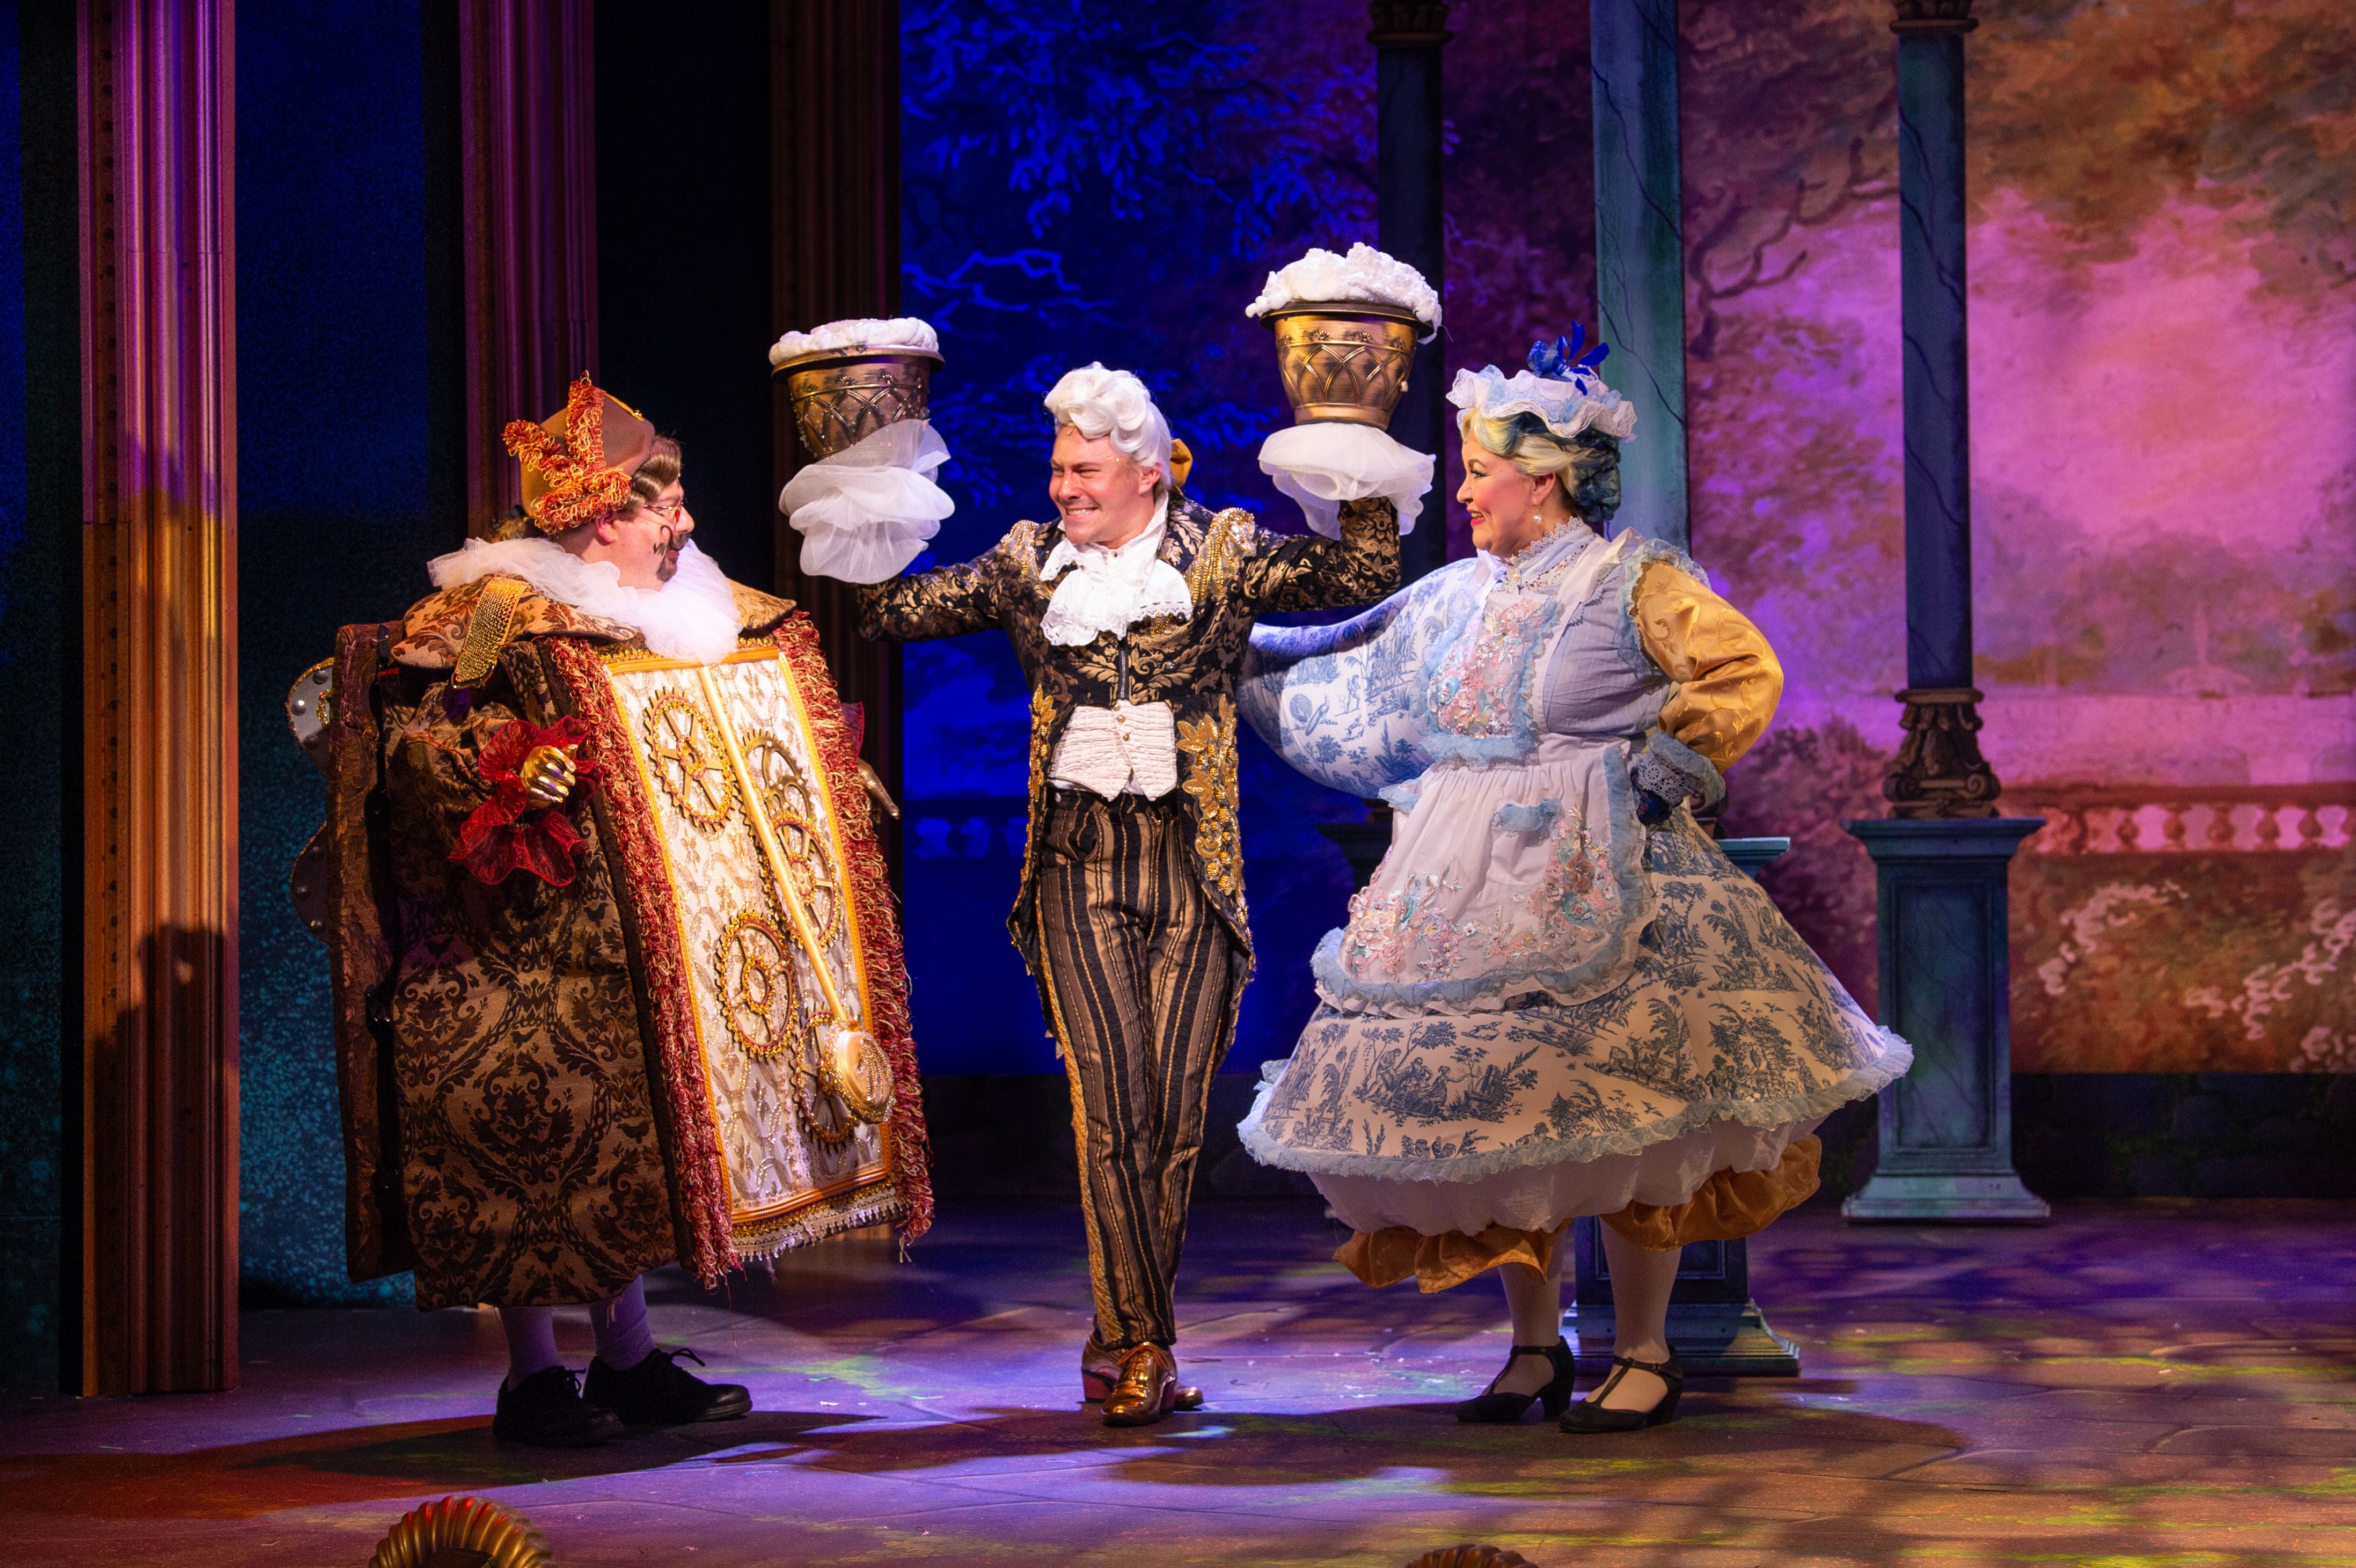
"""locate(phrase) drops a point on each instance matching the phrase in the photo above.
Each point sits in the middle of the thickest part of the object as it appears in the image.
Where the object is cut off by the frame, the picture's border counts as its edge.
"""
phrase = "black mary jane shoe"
(1496, 1409)
(546, 1410)
(659, 1392)
(1588, 1414)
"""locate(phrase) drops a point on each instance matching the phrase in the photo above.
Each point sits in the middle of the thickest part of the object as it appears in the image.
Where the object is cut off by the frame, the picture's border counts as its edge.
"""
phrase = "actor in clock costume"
(617, 978)
(1131, 614)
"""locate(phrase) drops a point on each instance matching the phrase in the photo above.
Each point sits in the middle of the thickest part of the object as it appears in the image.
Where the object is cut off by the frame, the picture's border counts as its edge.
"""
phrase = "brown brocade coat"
(1236, 572)
(506, 1135)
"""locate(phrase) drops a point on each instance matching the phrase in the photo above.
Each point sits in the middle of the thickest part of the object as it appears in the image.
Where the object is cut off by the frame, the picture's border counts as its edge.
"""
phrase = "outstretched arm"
(1305, 571)
(1338, 702)
(948, 602)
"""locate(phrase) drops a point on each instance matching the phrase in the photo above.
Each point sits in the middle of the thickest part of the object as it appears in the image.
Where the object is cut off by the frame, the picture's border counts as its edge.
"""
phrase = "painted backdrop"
(2163, 340)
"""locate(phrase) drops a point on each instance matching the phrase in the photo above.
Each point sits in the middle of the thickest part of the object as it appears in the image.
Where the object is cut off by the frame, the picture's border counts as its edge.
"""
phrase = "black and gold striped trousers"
(1138, 992)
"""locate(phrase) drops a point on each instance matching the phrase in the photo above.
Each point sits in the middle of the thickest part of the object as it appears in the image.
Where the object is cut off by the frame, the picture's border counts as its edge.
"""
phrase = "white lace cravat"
(1110, 590)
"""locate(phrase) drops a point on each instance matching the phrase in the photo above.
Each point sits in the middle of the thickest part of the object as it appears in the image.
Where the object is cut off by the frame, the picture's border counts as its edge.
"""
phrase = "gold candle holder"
(840, 396)
(1345, 360)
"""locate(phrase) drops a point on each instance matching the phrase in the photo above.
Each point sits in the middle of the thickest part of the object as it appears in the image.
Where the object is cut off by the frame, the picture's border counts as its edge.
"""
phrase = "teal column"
(1942, 857)
(1640, 275)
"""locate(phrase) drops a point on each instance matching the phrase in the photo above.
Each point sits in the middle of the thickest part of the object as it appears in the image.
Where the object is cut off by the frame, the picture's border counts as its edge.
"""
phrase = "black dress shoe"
(659, 1392)
(1588, 1414)
(546, 1410)
(1503, 1409)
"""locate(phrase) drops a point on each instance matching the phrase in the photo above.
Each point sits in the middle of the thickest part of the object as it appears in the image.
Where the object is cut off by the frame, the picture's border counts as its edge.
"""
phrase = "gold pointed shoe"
(1100, 1369)
(1147, 1390)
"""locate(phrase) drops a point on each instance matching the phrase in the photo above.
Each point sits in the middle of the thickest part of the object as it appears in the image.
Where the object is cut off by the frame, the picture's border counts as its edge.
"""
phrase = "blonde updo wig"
(1098, 402)
(1586, 468)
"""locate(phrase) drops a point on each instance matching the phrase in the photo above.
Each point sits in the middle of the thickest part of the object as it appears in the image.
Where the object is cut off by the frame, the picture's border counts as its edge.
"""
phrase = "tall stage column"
(154, 1131)
(1407, 35)
(527, 176)
(1639, 267)
(1943, 856)
(834, 91)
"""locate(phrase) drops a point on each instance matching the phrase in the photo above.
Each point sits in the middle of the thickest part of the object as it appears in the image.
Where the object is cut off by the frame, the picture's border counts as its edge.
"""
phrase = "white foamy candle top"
(905, 333)
(1365, 275)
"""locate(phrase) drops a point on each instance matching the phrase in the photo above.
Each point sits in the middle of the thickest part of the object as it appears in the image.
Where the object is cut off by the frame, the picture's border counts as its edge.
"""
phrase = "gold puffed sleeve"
(1728, 679)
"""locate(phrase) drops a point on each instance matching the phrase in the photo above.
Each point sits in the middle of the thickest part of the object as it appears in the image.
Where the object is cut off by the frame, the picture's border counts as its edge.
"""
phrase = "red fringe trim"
(699, 1185)
(879, 925)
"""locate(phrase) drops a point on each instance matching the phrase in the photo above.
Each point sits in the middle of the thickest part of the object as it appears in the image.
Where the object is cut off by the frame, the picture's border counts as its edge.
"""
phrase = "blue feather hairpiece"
(1561, 359)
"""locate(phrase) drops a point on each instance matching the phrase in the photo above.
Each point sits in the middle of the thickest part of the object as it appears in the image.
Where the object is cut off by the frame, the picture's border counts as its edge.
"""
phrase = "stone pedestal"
(1946, 1126)
(1717, 1331)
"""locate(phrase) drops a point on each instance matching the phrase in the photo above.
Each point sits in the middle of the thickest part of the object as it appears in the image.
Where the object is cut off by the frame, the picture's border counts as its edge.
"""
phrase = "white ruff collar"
(693, 616)
(1114, 587)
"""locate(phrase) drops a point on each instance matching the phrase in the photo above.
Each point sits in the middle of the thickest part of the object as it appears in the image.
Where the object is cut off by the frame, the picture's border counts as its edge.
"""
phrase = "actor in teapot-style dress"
(1557, 997)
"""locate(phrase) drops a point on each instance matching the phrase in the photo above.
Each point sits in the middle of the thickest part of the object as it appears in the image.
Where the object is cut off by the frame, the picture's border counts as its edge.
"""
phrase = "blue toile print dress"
(1540, 1007)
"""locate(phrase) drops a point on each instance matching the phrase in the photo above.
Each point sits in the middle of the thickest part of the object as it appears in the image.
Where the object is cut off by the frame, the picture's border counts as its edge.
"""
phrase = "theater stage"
(2161, 1382)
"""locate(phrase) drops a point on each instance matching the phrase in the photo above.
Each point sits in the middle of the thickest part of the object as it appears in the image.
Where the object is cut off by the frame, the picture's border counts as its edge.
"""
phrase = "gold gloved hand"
(874, 782)
(547, 775)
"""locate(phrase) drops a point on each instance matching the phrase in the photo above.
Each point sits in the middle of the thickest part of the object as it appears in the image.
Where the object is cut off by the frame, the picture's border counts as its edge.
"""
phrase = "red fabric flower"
(507, 833)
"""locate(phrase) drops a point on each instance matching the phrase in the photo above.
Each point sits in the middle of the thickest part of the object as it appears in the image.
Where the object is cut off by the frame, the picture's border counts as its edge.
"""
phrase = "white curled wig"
(1098, 402)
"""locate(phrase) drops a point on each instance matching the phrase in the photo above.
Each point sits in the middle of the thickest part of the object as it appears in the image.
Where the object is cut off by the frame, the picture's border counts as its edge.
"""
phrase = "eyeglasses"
(668, 511)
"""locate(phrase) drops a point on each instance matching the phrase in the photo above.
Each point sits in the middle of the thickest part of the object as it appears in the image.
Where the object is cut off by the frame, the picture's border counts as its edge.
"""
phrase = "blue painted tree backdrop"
(1089, 181)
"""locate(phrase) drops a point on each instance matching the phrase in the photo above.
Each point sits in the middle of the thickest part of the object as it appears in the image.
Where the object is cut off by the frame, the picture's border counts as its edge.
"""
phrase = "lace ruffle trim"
(1539, 1150)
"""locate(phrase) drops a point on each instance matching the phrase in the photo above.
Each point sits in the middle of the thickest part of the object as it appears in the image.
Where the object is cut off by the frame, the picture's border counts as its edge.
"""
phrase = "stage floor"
(2161, 1382)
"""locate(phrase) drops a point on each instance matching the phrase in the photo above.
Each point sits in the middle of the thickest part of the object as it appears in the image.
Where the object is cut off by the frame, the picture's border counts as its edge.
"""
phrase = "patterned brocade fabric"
(581, 1083)
(1235, 571)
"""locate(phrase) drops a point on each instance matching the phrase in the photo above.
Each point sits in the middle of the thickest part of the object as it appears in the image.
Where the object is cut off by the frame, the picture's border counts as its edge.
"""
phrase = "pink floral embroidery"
(1474, 691)
(1402, 931)
(1578, 892)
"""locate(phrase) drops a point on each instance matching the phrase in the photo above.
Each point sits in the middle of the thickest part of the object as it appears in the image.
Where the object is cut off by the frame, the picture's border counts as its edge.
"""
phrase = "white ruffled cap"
(1322, 465)
(905, 333)
(1581, 403)
(869, 510)
(1365, 274)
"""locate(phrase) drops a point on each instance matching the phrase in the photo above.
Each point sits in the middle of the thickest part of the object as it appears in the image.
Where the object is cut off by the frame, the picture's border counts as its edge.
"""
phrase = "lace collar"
(1545, 558)
(693, 616)
(1114, 587)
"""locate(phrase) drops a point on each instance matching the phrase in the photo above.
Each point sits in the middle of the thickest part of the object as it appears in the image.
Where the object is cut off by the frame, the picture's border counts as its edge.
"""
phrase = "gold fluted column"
(157, 1075)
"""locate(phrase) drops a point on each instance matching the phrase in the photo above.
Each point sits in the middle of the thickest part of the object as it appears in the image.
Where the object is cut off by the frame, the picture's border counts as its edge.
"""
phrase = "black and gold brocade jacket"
(1236, 572)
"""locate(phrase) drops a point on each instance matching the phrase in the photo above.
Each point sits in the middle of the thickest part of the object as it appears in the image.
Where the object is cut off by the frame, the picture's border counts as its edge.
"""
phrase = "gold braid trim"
(488, 630)
(1042, 725)
(1214, 563)
(1210, 745)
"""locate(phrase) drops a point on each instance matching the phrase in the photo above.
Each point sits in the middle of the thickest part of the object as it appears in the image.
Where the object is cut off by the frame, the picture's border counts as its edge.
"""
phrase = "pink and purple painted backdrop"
(2164, 457)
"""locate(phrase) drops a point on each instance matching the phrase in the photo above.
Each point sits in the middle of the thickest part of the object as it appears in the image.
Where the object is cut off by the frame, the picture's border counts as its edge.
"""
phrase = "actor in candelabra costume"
(1130, 615)
(1557, 997)
(618, 979)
